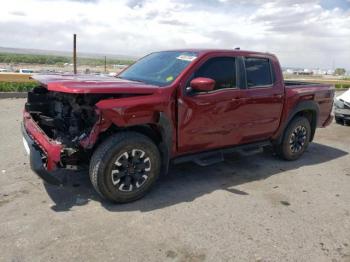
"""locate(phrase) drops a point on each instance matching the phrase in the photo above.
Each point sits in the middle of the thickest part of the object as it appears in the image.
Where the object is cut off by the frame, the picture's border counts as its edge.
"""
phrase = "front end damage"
(342, 108)
(68, 115)
(59, 129)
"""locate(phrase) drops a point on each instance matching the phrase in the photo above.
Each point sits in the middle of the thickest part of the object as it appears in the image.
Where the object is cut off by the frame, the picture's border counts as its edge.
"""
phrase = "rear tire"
(295, 140)
(125, 167)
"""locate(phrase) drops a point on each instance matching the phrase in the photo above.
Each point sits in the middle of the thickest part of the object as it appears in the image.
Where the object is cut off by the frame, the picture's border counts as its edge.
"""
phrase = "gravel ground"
(255, 208)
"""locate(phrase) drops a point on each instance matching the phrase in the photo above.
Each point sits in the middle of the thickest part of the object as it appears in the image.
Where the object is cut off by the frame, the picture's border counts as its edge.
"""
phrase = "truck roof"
(206, 51)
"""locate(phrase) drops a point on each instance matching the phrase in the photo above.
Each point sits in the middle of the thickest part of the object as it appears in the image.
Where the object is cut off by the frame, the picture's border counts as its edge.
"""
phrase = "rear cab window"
(258, 72)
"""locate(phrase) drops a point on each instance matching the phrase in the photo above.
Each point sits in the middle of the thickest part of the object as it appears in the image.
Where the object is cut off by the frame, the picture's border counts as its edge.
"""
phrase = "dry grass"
(15, 77)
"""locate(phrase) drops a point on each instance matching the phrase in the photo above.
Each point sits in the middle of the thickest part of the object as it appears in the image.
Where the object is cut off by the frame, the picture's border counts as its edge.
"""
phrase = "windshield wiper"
(135, 80)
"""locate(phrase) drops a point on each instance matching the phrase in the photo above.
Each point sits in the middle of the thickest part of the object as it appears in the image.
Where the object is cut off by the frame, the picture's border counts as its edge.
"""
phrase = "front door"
(209, 120)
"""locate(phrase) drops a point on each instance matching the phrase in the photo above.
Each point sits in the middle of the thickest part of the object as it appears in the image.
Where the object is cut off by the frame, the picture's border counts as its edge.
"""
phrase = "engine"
(67, 118)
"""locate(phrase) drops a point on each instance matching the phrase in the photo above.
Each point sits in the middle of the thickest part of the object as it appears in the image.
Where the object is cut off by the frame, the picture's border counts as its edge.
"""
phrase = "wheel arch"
(307, 109)
(160, 133)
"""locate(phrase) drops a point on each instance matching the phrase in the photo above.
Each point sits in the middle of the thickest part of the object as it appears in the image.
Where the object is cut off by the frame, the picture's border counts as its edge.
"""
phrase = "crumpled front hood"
(91, 84)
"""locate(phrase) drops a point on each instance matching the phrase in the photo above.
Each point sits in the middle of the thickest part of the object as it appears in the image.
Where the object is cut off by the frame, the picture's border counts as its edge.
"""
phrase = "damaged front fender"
(100, 126)
(131, 111)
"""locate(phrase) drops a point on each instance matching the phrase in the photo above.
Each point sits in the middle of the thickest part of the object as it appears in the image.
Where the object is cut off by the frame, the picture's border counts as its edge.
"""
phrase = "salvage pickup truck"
(168, 107)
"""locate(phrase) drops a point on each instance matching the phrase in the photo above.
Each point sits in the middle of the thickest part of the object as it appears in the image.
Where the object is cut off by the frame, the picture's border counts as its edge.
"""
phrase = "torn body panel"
(132, 111)
(50, 148)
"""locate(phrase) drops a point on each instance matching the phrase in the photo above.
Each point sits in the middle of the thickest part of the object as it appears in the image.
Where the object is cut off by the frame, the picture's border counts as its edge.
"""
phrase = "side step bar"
(210, 159)
(217, 156)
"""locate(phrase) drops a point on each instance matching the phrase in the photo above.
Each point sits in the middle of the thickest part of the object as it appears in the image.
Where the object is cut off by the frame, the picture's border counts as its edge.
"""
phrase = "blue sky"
(313, 33)
(331, 4)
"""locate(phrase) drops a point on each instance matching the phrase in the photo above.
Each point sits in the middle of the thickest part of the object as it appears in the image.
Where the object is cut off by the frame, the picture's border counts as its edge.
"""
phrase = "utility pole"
(75, 53)
(105, 64)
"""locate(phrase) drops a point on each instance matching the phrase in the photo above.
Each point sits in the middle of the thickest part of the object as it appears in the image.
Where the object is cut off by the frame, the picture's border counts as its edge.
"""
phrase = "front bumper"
(44, 153)
(342, 113)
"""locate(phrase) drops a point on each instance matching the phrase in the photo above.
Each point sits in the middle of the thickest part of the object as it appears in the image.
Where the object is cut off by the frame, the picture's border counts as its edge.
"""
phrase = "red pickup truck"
(168, 107)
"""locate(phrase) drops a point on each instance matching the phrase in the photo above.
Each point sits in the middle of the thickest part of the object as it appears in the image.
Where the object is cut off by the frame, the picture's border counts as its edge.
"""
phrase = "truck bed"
(322, 94)
(298, 83)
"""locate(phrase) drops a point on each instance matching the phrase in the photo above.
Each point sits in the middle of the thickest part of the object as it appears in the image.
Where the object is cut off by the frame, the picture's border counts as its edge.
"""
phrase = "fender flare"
(302, 106)
(164, 126)
(166, 131)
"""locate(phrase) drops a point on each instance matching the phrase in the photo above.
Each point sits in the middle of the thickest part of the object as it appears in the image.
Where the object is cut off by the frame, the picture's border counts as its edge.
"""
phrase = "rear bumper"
(44, 154)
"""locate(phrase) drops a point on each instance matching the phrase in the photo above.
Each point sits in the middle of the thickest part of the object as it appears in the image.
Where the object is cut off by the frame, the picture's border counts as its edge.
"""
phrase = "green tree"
(340, 71)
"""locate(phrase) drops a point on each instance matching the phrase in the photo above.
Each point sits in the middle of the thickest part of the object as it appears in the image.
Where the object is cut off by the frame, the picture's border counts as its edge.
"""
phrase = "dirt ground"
(255, 208)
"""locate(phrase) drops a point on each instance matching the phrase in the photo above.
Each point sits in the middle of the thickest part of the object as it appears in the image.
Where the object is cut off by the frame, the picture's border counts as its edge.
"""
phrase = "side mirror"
(202, 84)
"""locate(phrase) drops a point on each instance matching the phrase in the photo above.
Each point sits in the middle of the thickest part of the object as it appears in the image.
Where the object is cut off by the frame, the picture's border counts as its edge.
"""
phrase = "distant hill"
(63, 53)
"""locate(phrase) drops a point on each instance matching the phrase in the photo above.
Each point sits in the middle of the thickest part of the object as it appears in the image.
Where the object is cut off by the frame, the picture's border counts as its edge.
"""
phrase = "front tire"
(125, 167)
(295, 140)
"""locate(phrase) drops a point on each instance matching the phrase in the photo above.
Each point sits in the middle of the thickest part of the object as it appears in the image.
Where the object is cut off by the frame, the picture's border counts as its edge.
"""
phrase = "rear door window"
(258, 72)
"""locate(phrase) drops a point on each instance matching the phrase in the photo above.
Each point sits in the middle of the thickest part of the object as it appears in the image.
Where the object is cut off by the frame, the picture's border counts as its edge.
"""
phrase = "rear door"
(208, 120)
(264, 99)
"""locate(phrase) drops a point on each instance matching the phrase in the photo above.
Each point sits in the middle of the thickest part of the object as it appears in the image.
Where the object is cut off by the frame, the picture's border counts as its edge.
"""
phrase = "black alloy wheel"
(125, 166)
(131, 170)
(298, 139)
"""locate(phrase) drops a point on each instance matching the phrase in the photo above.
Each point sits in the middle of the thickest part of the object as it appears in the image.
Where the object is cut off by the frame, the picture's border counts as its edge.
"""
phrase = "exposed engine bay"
(69, 119)
(66, 118)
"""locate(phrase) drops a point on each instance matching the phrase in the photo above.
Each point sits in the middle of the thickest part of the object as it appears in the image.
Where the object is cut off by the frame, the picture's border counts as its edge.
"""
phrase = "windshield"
(160, 68)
